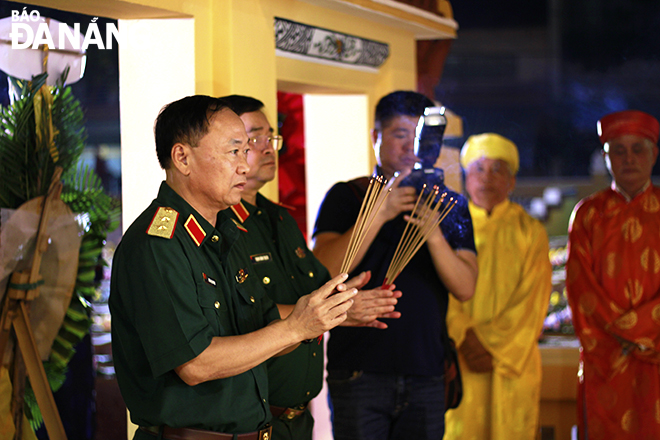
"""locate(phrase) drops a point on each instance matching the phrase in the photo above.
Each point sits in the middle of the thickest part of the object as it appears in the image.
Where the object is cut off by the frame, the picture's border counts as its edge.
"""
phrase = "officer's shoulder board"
(164, 223)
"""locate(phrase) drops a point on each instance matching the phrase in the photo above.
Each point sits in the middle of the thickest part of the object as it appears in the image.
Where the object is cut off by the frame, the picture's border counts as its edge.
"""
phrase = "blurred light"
(84, 222)
(552, 196)
(538, 208)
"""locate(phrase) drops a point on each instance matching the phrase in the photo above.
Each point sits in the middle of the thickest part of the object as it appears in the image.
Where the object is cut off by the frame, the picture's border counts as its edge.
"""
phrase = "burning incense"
(372, 202)
(425, 217)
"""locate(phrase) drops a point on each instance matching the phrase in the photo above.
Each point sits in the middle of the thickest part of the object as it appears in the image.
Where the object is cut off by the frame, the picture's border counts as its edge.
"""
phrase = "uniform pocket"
(214, 307)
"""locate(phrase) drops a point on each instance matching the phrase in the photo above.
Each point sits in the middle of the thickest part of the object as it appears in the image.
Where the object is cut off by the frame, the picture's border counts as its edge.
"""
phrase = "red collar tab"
(289, 207)
(239, 226)
(194, 230)
(241, 212)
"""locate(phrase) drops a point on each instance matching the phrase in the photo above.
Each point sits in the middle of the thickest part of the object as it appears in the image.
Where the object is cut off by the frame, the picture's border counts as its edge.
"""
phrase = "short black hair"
(243, 104)
(400, 103)
(184, 121)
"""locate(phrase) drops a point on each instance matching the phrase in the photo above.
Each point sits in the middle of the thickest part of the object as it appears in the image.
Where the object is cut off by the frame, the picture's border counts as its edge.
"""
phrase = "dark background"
(542, 74)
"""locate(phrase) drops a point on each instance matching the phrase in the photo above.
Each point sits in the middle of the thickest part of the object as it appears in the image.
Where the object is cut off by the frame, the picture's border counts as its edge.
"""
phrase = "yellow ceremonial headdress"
(491, 146)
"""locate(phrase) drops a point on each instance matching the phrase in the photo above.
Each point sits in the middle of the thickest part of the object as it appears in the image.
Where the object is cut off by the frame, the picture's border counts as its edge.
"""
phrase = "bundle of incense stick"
(425, 217)
(372, 202)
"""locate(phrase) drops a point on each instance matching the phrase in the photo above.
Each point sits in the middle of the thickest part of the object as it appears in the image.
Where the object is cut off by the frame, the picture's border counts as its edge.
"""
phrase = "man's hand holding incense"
(321, 310)
(380, 205)
(371, 305)
(456, 268)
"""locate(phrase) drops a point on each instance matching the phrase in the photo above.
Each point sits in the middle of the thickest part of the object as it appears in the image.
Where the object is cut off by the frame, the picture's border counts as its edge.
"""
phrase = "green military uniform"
(288, 270)
(175, 285)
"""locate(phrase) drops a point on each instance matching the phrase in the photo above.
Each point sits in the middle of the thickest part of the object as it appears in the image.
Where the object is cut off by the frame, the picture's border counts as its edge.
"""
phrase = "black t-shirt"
(411, 344)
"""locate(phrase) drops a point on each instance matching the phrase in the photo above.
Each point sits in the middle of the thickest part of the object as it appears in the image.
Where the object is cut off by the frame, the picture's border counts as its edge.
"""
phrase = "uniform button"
(307, 393)
(292, 277)
(215, 239)
(252, 299)
(259, 212)
(264, 400)
(311, 274)
(217, 304)
(314, 354)
(266, 280)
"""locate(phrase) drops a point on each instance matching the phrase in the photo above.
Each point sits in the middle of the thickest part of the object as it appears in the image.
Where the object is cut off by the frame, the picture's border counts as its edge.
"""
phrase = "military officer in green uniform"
(288, 269)
(191, 327)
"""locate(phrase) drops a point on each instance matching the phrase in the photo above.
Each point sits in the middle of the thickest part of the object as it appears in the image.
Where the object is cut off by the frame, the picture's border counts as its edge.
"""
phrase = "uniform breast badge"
(194, 230)
(163, 223)
(241, 276)
(300, 252)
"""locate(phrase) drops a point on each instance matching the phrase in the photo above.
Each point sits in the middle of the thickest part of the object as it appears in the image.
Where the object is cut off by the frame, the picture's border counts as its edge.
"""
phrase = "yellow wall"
(234, 44)
(234, 49)
(245, 61)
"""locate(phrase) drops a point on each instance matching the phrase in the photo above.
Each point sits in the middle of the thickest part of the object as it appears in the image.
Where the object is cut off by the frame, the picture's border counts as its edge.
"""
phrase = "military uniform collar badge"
(241, 212)
(194, 230)
(164, 223)
(300, 252)
(288, 207)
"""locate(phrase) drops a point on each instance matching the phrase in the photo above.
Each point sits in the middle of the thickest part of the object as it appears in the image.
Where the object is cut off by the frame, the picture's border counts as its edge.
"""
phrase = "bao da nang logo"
(29, 30)
(31, 44)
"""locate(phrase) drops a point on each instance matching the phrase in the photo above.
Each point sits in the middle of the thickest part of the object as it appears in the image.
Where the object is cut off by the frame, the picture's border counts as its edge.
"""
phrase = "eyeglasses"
(260, 142)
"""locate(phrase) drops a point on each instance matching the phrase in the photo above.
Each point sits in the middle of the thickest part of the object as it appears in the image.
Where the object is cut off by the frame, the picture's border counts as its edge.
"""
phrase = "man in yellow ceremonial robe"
(613, 286)
(498, 329)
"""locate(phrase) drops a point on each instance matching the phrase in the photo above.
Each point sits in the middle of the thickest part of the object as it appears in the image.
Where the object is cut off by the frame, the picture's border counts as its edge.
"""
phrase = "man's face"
(488, 182)
(262, 158)
(218, 164)
(630, 160)
(394, 144)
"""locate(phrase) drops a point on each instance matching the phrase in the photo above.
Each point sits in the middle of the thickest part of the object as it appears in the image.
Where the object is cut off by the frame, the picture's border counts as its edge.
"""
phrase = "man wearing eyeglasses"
(190, 329)
(288, 270)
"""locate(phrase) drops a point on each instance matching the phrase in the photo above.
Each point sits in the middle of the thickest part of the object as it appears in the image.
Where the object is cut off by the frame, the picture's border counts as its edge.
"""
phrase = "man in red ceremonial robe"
(613, 286)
